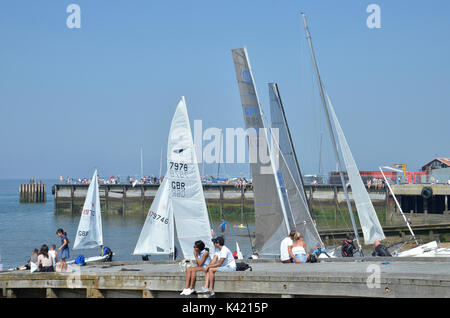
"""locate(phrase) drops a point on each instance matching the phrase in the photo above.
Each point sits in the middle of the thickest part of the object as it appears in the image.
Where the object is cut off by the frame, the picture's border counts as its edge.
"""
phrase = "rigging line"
(248, 231)
(295, 184)
(288, 132)
(289, 170)
(339, 214)
(220, 153)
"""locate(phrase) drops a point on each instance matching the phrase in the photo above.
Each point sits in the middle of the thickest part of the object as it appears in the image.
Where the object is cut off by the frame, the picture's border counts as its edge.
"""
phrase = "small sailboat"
(367, 216)
(370, 224)
(275, 214)
(180, 200)
(89, 233)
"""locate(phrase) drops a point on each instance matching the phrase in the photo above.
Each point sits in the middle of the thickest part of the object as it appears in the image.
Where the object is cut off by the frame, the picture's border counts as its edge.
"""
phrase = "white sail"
(186, 190)
(89, 233)
(238, 252)
(157, 235)
(271, 220)
(367, 216)
(289, 175)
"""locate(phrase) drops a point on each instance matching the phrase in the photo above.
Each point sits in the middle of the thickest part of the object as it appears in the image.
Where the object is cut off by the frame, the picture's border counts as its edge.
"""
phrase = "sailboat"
(370, 224)
(275, 214)
(179, 202)
(89, 233)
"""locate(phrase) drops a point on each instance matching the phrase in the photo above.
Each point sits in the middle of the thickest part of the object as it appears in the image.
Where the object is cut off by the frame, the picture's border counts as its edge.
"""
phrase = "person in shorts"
(223, 261)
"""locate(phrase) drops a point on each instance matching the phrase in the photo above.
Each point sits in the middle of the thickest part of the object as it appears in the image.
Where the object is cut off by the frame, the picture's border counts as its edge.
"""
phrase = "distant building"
(437, 163)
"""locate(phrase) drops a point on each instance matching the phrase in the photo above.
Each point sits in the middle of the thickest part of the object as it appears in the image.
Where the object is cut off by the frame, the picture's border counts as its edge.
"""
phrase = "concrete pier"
(369, 277)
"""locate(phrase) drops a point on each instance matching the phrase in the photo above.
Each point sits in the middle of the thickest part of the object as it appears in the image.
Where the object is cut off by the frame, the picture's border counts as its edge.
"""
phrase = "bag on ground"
(241, 266)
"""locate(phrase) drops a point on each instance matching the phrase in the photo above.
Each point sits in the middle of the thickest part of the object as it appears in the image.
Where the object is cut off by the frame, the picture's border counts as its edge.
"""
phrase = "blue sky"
(75, 99)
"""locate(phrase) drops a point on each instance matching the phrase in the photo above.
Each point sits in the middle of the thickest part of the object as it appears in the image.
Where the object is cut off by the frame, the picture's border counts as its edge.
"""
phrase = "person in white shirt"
(284, 248)
(53, 254)
(223, 261)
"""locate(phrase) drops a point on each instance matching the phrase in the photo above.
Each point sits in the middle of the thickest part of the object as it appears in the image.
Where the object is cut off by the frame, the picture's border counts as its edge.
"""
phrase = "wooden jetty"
(355, 277)
(32, 193)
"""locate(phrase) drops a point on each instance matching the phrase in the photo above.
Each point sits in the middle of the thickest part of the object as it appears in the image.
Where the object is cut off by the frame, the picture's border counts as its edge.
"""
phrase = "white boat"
(179, 202)
(90, 259)
(89, 233)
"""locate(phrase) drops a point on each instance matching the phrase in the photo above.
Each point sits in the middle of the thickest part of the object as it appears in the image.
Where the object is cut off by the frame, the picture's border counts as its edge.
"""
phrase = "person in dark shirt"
(348, 248)
(64, 248)
(106, 251)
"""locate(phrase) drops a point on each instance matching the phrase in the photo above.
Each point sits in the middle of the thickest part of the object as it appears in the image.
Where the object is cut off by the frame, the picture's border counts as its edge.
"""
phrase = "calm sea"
(25, 226)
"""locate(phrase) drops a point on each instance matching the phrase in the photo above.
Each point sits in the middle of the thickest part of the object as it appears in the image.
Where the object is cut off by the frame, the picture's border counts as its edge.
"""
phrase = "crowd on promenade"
(376, 183)
(243, 183)
(112, 180)
(238, 182)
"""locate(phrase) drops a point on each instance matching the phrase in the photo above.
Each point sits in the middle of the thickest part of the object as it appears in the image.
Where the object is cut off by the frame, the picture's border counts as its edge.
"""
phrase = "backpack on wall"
(241, 266)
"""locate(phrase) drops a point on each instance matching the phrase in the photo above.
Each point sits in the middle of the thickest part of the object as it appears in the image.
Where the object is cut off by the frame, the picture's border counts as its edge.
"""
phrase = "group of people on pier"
(293, 249)
(46, 258)
(52, 259)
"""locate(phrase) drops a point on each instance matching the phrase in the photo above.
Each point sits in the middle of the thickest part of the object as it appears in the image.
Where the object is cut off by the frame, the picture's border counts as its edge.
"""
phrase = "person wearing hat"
(223, 261)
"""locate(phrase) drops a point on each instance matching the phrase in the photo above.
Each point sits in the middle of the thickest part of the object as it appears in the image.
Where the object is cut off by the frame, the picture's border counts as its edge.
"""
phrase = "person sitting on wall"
(284, 248)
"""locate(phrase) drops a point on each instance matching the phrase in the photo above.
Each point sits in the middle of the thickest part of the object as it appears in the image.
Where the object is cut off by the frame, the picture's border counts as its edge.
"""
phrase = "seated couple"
(293, 249)
(223, 261)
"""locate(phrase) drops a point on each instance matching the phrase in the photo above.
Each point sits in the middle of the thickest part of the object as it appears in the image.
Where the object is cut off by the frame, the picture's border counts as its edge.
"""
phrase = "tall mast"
(330, 128)
(220, 153)
(142, 164)
(160, 164)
